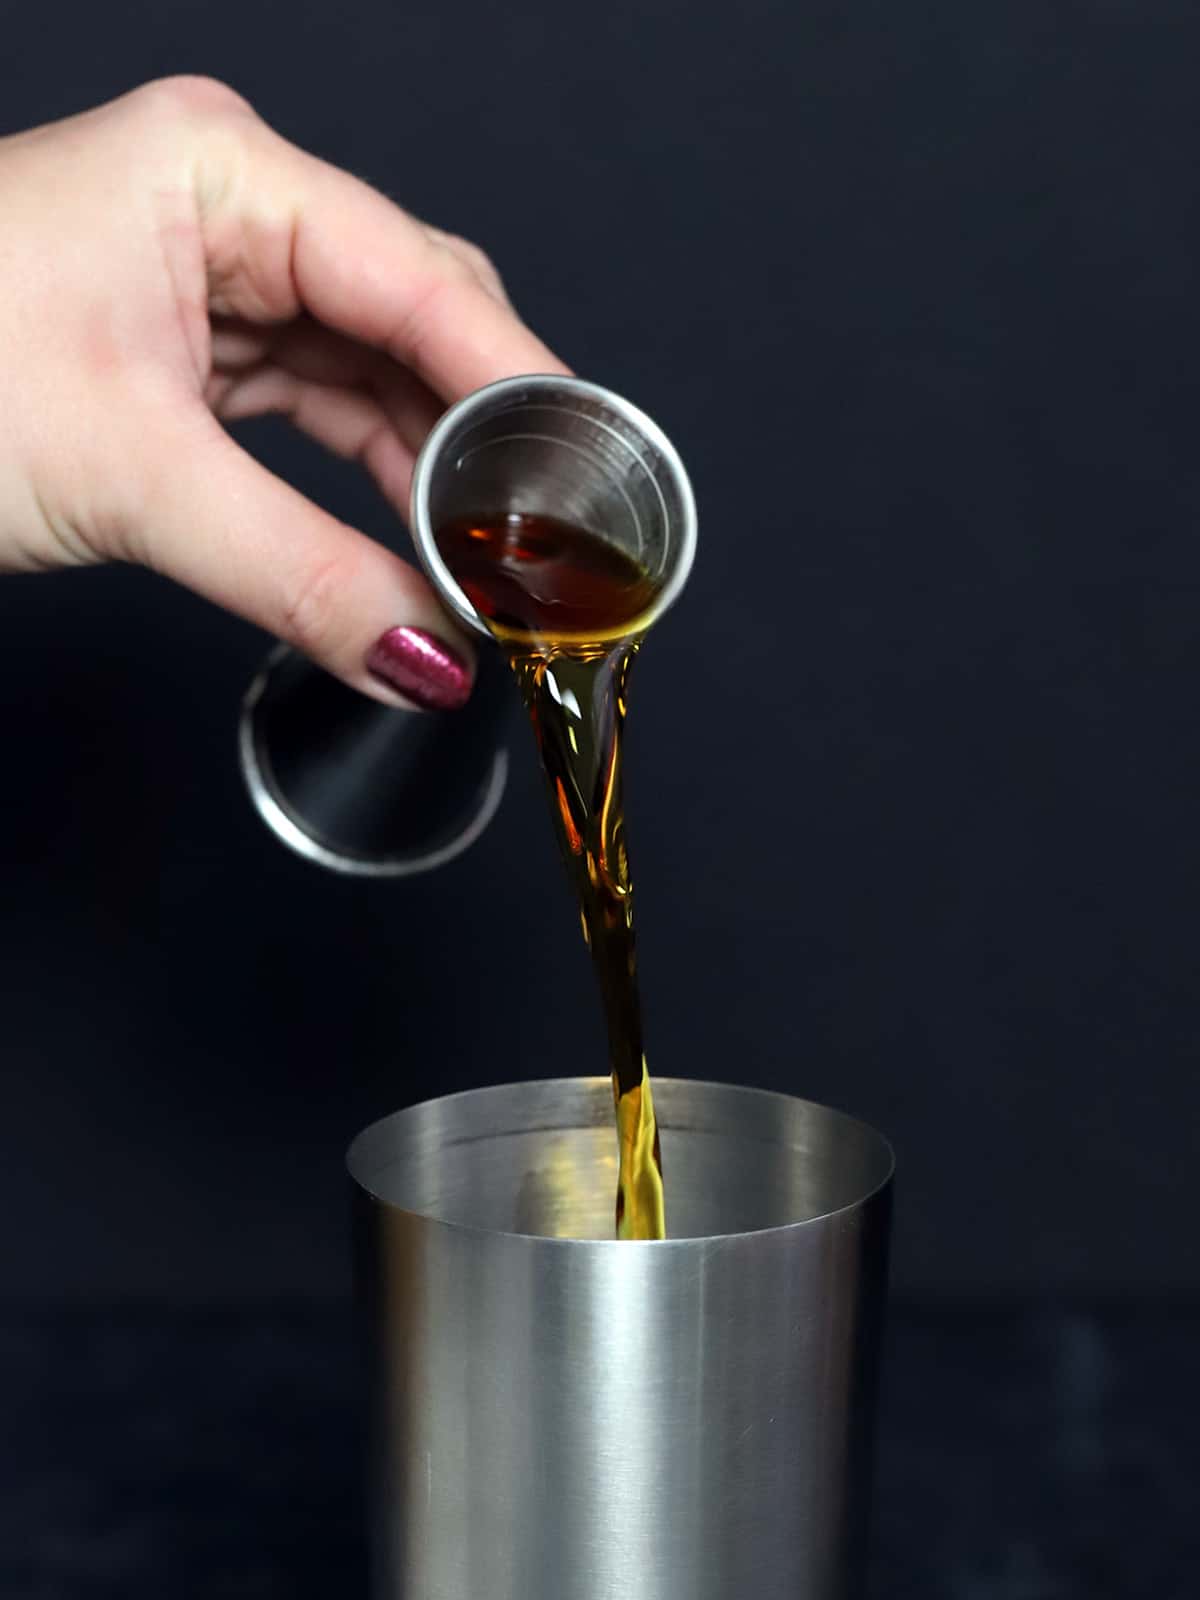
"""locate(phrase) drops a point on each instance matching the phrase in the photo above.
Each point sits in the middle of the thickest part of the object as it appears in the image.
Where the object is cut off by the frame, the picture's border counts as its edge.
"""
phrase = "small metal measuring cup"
(556, 447)
(362, 788)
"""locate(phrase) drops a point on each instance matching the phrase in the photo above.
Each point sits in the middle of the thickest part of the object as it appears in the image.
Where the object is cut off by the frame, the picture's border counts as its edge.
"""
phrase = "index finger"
(294, 233)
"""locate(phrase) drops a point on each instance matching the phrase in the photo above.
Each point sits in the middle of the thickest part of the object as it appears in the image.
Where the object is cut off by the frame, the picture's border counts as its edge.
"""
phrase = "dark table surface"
(1032, 1454)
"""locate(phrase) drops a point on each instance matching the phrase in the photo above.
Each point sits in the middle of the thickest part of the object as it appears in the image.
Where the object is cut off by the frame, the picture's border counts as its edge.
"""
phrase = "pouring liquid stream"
(570, 609)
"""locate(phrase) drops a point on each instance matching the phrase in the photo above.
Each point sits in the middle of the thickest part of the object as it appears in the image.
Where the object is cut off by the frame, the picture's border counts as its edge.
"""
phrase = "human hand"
(169, 263)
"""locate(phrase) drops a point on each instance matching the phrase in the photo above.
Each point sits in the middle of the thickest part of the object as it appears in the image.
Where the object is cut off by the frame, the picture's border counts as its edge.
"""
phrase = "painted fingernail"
(423, 668)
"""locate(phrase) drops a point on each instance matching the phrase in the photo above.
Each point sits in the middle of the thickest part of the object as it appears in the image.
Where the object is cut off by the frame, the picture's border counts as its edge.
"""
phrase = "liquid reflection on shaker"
(366, 789)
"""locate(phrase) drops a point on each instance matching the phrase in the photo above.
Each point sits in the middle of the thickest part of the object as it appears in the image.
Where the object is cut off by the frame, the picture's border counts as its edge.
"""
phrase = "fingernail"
(421, 667)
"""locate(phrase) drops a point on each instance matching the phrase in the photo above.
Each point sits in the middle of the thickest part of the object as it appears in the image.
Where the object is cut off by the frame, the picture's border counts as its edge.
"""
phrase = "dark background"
(914, 767)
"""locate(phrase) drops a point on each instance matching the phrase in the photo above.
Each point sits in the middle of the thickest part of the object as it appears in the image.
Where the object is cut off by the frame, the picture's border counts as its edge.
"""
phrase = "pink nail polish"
(421, 667)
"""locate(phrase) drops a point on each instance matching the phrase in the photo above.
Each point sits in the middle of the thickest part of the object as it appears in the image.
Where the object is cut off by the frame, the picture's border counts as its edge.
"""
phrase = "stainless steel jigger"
(361, 788)
(364, 789)
(557, 447)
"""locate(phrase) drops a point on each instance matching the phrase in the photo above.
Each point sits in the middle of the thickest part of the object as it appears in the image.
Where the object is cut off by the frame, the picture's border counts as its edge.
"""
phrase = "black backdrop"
(913, 288)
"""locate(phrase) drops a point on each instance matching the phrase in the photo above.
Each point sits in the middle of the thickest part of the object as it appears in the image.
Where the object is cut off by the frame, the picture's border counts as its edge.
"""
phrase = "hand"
(169, 263)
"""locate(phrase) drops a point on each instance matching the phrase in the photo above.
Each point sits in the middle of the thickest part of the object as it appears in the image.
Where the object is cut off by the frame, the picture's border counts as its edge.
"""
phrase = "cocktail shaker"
(559, 1415)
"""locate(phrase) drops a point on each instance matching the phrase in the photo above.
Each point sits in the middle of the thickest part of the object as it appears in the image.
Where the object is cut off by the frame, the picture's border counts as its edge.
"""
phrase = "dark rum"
(570, 609)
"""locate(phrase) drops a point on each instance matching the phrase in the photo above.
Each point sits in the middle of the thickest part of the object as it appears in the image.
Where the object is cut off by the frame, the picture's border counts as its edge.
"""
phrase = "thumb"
(214, 519)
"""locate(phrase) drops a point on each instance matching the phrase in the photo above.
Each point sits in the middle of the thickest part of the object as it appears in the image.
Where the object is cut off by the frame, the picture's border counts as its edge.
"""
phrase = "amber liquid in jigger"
(569, 608)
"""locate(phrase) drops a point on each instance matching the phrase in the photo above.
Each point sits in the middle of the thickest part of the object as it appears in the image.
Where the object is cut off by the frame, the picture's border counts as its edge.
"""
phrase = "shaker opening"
(540, 1159)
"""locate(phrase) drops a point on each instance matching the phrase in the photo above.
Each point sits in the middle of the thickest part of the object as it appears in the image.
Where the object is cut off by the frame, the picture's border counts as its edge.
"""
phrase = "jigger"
(365, 789)
(556, 447)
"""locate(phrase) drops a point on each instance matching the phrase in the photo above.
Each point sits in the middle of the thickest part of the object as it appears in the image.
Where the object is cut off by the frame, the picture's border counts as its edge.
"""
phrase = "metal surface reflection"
(577, 1418)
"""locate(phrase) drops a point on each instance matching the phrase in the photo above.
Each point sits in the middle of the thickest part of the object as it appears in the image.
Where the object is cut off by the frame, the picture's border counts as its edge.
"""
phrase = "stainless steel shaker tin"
(561, 1416)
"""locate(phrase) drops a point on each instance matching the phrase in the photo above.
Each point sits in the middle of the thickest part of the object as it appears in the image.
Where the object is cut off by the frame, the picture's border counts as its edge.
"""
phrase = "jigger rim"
(479, 400)
(292, 829)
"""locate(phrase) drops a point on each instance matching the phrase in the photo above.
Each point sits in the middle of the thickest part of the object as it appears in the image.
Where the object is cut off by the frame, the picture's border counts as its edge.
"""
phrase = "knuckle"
(193, 97)
(423, 316)
(451, 264)
(475, 255)
(312, 606)
(481, 267)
